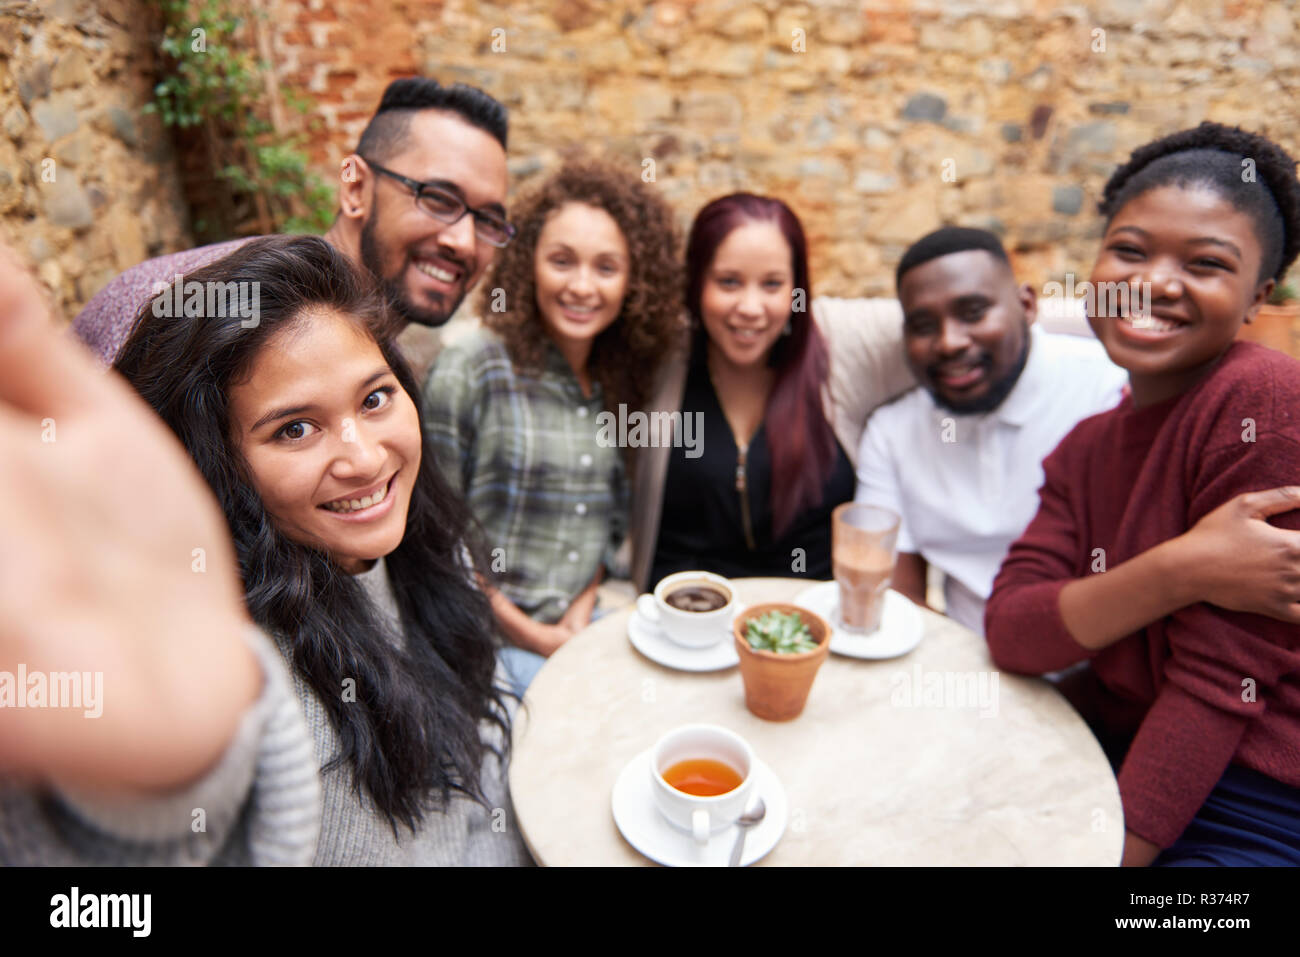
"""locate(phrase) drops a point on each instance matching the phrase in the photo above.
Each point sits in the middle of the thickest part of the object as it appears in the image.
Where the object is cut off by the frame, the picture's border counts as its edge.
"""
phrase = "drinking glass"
(863, 547)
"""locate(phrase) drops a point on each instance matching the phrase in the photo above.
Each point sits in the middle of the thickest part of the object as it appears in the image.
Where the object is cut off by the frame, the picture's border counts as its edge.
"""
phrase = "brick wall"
(877, 120)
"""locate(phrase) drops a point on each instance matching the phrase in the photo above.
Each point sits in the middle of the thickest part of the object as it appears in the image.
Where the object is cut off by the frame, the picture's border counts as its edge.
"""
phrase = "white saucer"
(901, 626)
(642, 826)
(649, 639)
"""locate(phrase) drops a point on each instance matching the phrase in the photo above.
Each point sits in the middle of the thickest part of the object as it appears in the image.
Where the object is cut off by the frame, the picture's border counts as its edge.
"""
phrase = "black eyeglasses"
(446, 207)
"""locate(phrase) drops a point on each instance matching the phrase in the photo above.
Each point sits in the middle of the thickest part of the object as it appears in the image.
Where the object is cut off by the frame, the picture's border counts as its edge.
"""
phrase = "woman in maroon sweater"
(1209, 694)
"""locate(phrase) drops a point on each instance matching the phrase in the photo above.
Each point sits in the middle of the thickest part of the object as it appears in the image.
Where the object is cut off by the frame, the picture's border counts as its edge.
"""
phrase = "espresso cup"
(692, 629)
(701, 816)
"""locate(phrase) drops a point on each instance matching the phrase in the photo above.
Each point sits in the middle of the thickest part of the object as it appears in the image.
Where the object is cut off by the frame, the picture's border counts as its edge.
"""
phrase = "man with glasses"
(421, 208)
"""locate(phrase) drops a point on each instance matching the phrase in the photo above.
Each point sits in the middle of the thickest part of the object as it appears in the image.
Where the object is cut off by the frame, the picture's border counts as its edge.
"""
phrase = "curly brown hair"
(651, 326)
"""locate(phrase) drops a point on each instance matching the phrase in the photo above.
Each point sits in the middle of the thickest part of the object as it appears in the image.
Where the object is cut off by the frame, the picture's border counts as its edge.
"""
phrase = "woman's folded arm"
(1022, 619)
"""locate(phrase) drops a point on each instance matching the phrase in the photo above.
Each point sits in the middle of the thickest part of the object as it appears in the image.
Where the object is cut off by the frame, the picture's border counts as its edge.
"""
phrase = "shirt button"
(573, 556)
(585, 460)
(581, 508)
(582, 411)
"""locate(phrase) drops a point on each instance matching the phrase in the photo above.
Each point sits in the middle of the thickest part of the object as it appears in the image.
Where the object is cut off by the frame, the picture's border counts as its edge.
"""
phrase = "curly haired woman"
(579, 313)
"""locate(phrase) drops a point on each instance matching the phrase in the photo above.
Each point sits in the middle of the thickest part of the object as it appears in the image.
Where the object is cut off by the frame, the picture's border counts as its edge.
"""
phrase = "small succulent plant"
(781, 632)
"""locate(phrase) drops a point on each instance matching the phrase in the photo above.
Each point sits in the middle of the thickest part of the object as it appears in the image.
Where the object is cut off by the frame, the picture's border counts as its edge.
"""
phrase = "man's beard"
(996, 394)
(394, 291)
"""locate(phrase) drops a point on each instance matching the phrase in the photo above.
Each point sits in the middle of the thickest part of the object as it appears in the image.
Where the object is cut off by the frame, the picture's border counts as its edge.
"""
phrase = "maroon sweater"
(1209, 687)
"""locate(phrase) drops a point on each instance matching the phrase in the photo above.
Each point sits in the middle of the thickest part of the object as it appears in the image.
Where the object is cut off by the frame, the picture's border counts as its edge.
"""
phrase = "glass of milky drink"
(863, 539)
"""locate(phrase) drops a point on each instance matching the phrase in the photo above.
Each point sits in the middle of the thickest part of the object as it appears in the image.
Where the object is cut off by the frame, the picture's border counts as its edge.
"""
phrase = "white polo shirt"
(967, 485)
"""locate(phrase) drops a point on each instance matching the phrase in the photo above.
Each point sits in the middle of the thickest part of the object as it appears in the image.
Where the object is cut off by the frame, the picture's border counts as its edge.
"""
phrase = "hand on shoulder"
(1241, 562)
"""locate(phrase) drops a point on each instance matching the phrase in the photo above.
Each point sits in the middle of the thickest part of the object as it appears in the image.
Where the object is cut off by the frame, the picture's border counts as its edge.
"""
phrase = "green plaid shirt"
(523, 450)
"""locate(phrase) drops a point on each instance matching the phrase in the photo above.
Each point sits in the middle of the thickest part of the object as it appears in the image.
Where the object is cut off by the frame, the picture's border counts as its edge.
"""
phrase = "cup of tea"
(694, 609)
(702, 776)
(863, 542)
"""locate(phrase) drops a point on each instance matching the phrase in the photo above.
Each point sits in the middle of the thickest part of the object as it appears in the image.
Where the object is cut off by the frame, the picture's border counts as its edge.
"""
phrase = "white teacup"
(698, 815)
(693, 629)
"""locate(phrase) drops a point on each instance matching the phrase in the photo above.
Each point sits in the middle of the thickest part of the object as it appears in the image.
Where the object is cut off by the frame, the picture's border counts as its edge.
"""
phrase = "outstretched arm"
(103, 519)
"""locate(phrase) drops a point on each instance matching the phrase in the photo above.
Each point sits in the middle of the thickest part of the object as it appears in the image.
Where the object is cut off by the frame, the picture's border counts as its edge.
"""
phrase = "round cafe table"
(881, 768)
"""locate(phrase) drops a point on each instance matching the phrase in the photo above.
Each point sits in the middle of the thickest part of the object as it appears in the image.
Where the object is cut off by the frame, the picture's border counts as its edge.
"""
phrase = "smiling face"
(966, 328)
(426, 267)
(746, 296)
(581, 270)
(1202, 259)
(331, 438)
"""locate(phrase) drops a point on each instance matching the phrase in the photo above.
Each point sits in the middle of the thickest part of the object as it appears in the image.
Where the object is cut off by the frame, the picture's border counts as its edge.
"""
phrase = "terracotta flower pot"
(777, 686)
(1277, 327)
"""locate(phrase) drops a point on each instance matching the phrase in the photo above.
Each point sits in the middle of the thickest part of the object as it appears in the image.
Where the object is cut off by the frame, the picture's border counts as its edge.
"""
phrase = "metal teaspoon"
(744, 822)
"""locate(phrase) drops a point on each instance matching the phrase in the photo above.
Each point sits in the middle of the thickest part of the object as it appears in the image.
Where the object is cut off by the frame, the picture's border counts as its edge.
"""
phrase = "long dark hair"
(411, 737)
(799, 438)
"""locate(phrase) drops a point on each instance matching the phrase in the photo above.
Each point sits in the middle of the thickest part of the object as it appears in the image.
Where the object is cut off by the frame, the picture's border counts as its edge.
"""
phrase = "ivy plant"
(214, 84)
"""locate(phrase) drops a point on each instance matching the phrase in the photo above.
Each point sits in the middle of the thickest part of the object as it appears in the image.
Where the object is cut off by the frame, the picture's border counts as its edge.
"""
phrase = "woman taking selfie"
(306, 427)
(579, 313)
(755, 496)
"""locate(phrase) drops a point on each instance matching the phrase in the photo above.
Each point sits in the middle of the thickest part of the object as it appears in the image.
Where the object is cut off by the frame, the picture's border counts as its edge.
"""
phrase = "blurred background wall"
(88, 183)
(876, 120)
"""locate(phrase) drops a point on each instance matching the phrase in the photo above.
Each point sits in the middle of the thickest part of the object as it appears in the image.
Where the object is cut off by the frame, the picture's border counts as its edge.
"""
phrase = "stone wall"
(87, 182)
(876, 120)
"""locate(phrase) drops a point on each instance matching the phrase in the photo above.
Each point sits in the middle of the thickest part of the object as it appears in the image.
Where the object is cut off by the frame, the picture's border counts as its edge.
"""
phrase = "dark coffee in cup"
(697, 597)
(692, 608)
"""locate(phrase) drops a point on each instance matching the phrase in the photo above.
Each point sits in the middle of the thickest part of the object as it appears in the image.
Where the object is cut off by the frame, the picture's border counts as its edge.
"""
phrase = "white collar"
(1020, 403)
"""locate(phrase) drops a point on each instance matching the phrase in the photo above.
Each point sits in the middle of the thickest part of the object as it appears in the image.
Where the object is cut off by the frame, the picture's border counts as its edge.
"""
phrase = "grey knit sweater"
(265, 802)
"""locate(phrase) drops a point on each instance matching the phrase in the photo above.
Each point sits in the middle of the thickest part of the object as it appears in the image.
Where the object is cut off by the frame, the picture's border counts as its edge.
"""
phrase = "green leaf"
(779, 632)
(223, 89)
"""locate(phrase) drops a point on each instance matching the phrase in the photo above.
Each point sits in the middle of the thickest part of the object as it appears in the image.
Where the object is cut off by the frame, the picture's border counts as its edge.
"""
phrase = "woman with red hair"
(752, 492)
